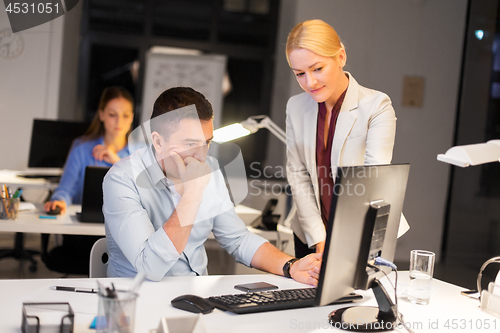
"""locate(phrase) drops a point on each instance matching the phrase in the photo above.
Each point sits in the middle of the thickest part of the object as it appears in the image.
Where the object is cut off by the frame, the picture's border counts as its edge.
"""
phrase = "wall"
(29, 87)
(386, 40)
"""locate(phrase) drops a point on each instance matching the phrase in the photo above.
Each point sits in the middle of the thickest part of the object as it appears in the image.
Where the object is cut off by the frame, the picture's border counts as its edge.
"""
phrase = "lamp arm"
(483, 267)
(266, 122)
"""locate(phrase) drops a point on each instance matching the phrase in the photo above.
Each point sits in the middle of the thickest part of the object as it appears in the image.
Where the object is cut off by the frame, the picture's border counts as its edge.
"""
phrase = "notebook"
(92, 195)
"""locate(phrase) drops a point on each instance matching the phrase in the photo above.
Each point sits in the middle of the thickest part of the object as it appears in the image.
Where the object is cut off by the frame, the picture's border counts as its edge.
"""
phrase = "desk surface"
(154, 302)
(29, 222)
(10, 178)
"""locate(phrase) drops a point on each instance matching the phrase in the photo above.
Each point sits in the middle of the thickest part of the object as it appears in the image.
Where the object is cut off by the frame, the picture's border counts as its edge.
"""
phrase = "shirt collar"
(154, 168)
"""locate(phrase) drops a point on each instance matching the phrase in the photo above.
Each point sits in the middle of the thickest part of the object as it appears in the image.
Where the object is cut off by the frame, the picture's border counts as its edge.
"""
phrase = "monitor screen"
(51, 141)
(363, 224)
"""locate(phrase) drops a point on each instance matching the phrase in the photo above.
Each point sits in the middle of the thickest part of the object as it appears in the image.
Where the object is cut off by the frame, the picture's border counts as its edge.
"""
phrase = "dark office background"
(117, 34)
(472, 226)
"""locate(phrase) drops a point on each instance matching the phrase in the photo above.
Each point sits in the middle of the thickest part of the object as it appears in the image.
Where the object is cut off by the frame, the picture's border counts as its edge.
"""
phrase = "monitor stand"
(367, 318)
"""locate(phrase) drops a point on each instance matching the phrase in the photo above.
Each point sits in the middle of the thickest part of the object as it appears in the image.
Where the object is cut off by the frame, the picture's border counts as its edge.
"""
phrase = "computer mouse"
(192, 303)
(55, 211)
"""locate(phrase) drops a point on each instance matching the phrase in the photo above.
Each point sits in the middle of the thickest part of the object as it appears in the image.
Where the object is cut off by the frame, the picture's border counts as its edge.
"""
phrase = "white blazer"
(364, 135)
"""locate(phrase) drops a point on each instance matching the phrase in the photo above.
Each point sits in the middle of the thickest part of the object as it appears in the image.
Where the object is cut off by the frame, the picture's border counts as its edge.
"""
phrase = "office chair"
(20, 253)
(72, 257)
(99, 259)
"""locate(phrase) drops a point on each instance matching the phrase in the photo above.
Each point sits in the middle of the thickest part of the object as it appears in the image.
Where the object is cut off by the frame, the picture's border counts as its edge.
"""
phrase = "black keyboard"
(265, 300)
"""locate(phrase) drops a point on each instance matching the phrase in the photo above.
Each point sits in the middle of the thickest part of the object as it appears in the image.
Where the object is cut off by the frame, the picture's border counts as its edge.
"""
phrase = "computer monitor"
(365, 214)
(51, 141)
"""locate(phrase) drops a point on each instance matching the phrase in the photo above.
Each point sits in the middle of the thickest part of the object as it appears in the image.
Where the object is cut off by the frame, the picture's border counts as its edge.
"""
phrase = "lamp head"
(464, 156)
(239, 130)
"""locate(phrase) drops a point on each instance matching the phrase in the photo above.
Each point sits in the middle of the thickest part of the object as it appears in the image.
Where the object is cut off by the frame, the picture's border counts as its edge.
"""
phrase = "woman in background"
(104, 143)
(335, 122)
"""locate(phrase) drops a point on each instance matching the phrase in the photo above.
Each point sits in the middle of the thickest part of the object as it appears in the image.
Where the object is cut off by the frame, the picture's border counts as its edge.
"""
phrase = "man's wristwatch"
(287, 266)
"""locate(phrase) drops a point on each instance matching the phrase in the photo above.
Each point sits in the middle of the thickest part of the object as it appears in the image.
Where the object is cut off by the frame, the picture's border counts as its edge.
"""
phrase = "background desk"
(154, 303)
(68, 224)
(10, 178)
(29, 222)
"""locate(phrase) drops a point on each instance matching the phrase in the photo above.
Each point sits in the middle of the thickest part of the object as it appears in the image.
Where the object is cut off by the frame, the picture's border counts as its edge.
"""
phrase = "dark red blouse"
(323, 155)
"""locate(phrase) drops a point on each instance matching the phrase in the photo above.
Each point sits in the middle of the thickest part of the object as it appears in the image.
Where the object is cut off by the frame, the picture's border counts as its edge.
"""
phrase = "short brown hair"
(176, 98)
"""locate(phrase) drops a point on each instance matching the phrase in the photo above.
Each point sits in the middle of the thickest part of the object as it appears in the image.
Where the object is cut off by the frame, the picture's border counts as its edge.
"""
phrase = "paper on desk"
(26, 206)
(403, 226)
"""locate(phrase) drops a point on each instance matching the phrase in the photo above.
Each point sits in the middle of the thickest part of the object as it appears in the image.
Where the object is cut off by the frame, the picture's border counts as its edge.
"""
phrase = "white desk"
(10, 178)
(29, 222)
(154, 303)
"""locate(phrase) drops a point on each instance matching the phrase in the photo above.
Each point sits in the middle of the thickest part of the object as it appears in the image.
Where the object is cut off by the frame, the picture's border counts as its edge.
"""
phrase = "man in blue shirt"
(162, 202)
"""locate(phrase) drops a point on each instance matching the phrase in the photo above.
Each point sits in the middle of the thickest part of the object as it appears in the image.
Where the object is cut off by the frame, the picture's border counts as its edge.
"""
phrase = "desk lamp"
(246, 127)
(475, 154)
(464, 156)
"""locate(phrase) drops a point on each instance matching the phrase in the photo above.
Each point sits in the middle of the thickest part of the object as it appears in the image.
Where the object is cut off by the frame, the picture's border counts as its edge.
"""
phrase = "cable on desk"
(383, 262)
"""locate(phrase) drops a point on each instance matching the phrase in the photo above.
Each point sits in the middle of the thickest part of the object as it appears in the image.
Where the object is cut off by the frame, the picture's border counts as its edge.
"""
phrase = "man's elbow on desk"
(153, 266)
(151, 273)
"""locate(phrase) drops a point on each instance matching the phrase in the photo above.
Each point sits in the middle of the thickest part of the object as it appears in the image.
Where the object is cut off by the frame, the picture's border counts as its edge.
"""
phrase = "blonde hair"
(316, 36)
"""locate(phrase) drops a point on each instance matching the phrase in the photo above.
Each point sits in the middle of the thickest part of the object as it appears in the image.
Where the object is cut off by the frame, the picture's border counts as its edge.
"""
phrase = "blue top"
(70, 187)
(139, 199)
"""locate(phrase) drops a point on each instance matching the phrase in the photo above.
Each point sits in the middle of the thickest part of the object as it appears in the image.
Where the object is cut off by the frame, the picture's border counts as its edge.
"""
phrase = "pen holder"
(9, 208)
(116, 314)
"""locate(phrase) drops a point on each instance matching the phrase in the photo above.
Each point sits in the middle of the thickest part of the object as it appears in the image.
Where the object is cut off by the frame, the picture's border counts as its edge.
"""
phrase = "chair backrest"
(99, 258)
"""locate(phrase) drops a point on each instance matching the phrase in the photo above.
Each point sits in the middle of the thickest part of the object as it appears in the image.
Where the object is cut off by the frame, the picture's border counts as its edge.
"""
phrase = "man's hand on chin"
(194, 174)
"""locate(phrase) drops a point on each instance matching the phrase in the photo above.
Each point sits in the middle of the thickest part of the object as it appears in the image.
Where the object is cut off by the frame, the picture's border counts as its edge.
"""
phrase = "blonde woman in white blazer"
(364, 126)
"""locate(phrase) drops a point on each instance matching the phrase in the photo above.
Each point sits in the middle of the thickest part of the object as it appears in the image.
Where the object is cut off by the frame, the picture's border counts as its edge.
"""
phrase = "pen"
(17, 194)
(78, 289)
(75, 289)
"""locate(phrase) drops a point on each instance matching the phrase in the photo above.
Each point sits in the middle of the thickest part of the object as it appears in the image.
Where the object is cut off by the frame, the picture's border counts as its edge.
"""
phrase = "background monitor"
(363, 224)
(51, 141)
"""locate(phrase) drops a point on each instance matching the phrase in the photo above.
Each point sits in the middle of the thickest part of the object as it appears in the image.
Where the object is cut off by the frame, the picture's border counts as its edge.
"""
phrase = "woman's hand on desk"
(51, 205)
(101, 153)
(306, 270)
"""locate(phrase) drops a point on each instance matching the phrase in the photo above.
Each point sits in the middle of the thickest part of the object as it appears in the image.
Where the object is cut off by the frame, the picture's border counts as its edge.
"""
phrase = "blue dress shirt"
(70, 187)
(139, 199)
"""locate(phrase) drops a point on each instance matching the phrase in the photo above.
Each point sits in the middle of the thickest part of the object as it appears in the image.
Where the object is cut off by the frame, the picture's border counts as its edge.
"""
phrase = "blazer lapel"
(345, 122)
(310, 120)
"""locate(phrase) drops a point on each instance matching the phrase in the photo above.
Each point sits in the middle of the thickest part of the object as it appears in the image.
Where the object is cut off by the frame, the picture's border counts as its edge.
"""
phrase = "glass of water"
(421, 270)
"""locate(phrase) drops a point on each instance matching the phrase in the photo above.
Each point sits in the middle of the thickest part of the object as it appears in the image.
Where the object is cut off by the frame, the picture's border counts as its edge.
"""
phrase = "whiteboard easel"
(203, 73)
